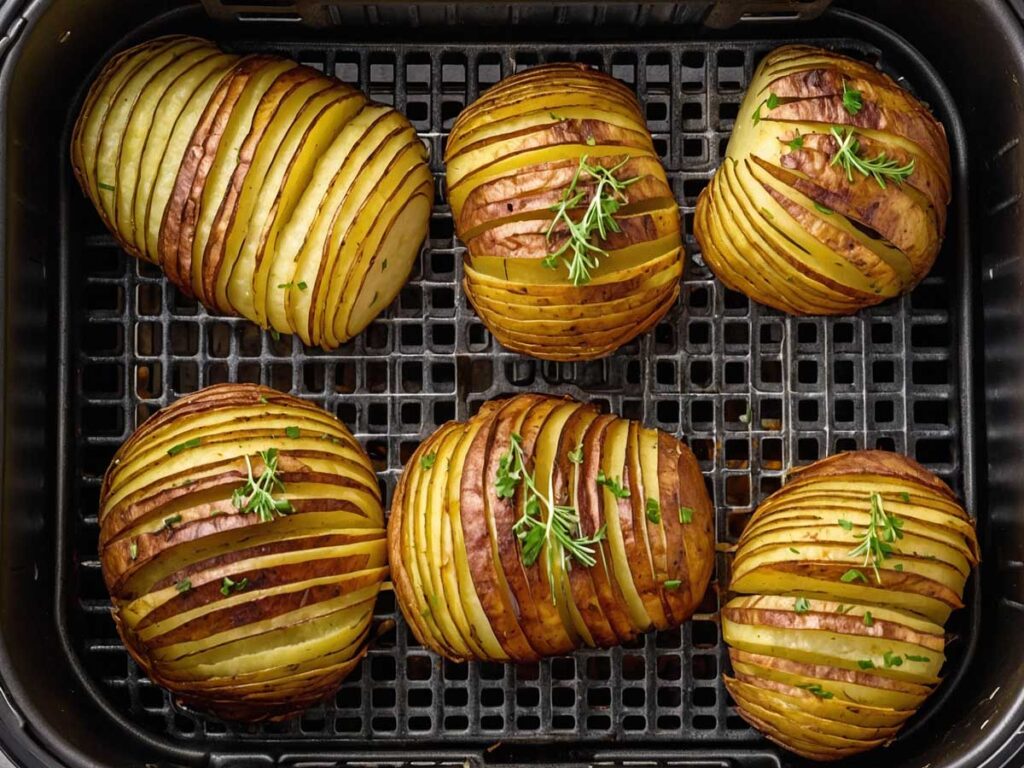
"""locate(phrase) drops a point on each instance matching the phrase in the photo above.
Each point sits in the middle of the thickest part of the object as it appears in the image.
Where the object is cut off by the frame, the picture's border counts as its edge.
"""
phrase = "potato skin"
(651, 565)
(227, 609)
(256, 178)
(829, 658)
(842, 241)
(514, 155)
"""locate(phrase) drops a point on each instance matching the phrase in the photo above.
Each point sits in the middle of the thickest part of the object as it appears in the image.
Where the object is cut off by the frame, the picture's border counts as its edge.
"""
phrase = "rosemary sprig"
(544, 525)
(579, 253)
(257, 495)
(876, 542)
(879, 168)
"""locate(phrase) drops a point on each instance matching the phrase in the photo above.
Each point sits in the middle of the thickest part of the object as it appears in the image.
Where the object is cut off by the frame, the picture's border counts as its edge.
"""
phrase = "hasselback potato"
(242, 541)
(833, 192)
(261, 187)
(847, 576)
(571, 228)
(540, 526)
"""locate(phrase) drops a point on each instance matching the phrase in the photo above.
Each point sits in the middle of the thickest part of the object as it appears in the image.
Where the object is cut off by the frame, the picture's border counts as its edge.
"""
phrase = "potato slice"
(480, 626)
(322, 134)
(271, 571)
(585, 350)
(538, 617)
(314, 127)
(787, 275)
(459, 191)
(437, 526)
(172, 104)
(805, 729)
(112, 131)
(590, 133)
(250, 116)
(400, 204)
(857, 715)
(724, 257)
(549, 472)
(627, 563)
(179, 77)
(522, 245)
(531, 193)
(221, 149)
(290, 117)
(391, 262)
(194, 167)
(860, 688)
(316, 213)
(301, 245)
(585, 106)
(476, 494)
(832, 640)
(537, 326)
(647, 519)
(419, 549)
(374, 132)
(87, 133)
(554, 95)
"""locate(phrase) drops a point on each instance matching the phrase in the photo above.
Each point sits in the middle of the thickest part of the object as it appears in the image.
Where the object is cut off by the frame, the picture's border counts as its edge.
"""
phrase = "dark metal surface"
(318, 13)
(754, 393)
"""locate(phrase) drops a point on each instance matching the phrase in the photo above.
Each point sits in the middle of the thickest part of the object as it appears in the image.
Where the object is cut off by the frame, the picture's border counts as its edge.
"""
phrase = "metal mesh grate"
(754, 393)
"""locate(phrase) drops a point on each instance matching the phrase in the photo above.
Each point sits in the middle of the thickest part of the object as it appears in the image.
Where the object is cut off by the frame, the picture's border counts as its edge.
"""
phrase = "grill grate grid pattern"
(754, 393)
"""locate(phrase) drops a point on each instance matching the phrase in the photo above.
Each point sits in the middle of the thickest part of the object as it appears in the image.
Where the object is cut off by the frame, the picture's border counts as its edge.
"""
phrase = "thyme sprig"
(579, 253)
(880, 168)
(544, 526)
(257, 495)
(882, 532)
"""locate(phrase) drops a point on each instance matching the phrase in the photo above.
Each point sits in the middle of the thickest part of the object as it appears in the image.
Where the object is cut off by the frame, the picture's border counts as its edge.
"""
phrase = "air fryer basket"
(96, 341)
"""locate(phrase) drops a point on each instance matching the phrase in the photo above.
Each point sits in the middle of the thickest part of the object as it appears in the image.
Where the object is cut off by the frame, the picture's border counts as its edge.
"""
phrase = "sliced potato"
(556, 189)
(845, 577)
(242, 178)
(243, 544)
(492, 584)
(839, 177)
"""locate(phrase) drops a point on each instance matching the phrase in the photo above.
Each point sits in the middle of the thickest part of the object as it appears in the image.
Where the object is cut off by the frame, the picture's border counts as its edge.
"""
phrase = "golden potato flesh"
(833, 192)
(555, 185)
(845, 578)
(242, 541)
(261, 187)
(540, 526)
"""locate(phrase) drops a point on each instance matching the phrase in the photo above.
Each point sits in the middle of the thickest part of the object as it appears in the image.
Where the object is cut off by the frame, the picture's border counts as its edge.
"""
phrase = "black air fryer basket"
(94, 341)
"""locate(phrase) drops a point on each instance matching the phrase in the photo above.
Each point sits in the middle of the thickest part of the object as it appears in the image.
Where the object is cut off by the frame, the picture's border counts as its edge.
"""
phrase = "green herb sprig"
(881, 168)
(544, 526)
(852, 102)
(817, 690)
(613, 484)
(653, 511)
(772, 101)
(257, 495)
(229, 585)
(579, 253)
(876, 543)
(193, 442)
